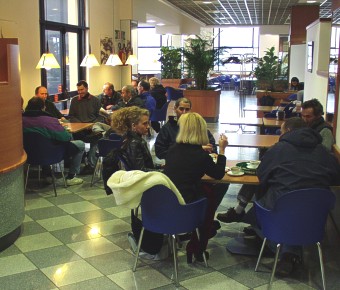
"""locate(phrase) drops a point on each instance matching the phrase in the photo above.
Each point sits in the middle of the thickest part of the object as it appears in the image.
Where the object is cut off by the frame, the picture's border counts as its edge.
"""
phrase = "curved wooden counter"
(12, 155)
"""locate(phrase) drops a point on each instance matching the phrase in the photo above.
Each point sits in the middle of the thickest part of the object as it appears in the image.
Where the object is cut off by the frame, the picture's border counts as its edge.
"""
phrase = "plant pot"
(205, 102)
(280, 85)
(171, 83)
(263, 85)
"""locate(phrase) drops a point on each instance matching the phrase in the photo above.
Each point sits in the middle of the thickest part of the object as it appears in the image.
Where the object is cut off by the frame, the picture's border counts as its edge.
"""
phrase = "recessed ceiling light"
(311, 1)
(160, 24)
(206, 2)
(55, 9)
(150, 21)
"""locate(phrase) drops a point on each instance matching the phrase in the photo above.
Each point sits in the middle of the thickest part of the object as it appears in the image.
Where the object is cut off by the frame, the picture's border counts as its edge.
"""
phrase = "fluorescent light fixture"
(311, 1)
(132, 60)
(113, 60)
(160, 24)
(150, 21)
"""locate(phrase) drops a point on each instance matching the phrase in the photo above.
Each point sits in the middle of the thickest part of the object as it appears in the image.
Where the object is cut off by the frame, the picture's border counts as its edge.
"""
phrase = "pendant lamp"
(90, 60)
(47, 61)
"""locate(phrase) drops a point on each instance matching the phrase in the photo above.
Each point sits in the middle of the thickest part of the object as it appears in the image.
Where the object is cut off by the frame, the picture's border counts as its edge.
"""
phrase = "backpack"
(112, 162)
(267, 101)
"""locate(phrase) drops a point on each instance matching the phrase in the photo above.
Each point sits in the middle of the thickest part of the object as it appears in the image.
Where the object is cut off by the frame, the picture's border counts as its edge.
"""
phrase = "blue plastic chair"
(115, 137)
(162, 213)
(42, 151)
(104, 148)
(173, 94)
(224, 81)
(298, 219)
(159, 115)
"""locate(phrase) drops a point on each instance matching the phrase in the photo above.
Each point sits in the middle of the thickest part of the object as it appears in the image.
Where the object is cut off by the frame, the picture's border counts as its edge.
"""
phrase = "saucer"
(227, 169)
(238, 174)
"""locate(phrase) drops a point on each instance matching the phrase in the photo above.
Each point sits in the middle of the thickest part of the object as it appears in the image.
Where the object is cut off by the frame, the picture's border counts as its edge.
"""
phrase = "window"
(62, 29)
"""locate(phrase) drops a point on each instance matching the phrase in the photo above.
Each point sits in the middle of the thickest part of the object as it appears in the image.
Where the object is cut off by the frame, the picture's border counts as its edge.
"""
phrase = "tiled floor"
(78, 241)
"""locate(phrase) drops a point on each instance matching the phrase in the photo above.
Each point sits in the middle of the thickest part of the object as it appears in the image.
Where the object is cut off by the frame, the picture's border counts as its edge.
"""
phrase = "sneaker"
(74, 181)
(87, 170)
(231, 216)
(132, 242)
(249, 231)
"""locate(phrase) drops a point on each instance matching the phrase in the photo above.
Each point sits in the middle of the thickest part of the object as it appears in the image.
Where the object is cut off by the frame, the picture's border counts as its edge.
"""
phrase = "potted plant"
(268, 71)
(171, 58)
(200, 56)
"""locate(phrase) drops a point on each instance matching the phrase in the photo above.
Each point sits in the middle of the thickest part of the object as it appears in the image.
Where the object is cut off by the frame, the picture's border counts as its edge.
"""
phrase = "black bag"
(111, 164)
(152, 242)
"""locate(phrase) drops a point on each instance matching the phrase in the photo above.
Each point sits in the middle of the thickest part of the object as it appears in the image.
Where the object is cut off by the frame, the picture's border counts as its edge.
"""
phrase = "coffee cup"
(254, 163)
(235, 170)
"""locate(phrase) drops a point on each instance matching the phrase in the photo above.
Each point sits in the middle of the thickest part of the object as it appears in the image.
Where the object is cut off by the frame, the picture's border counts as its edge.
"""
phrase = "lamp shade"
(47, 61)
(113, 60)
(132, 60)
(90, 61)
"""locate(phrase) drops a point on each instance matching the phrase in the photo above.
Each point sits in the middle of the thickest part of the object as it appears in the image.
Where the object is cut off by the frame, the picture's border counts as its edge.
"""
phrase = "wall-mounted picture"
(106, 47)
(310, 52)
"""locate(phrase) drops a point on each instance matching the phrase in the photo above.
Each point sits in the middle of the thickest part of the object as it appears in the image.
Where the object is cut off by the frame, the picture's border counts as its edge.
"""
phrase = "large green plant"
(200, 56)
(170, 59)
(268, 67)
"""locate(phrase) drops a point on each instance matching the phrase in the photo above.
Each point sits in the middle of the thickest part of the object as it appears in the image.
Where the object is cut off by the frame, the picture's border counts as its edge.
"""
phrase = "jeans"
(75, 153)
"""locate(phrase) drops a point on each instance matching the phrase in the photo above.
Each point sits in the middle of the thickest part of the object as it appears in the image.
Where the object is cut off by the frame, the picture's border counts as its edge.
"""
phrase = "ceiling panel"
(247, 12)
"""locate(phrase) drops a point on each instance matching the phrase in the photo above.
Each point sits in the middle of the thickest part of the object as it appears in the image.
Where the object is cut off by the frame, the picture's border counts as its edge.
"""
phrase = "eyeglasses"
(184, 109)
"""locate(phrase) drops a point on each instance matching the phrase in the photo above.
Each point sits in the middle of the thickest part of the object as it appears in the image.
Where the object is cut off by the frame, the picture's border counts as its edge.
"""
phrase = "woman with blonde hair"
(158, 92)
(186, 163)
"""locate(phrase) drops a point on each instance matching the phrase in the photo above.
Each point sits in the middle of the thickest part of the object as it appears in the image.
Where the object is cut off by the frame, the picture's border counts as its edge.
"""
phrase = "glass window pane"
(147, 37)
(148, 60)
(71, 60)
(63, 11)
(54, 74)
(236, 36)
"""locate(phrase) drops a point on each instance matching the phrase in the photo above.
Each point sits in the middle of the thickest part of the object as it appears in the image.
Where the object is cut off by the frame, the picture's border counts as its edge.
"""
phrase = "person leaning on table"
(297, 161)
(186, 163)
(36, 120)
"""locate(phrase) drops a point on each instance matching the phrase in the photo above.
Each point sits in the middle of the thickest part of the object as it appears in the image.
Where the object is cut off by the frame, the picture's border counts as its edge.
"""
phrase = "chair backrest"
(299, 216)
(43, 151)
(159, 115)
(115, 137)
(162, 213)
(173, 94)
(106, 145)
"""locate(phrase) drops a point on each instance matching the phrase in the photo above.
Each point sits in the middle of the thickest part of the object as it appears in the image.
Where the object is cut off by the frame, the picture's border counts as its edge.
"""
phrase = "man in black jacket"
(168, 133)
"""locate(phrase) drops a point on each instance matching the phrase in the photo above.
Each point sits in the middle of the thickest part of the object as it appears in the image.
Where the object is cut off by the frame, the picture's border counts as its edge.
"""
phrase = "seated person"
(194, 163)
(41, 92)
(133, 123)
(295, 84)
(297, 161)
(109, 97)
(312, 112)
(158, 92)
(35, 119)
(85, 109)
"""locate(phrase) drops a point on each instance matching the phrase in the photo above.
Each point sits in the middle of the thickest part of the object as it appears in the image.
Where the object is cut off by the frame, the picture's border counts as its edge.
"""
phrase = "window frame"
(63, 28)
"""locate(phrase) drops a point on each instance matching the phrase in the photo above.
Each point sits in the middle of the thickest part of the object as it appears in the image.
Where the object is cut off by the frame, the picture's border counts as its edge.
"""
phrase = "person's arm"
(217, 170)
(136, 155)
(72, 113)
(162, 144)
(327, 138)
(212, 142)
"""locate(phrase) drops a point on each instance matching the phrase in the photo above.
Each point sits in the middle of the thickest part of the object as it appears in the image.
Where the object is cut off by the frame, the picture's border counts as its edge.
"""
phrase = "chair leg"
(274, 267)
(260, 255)
(99, 159)
(138, 249)
(27, 172)
(62, 174)
(203, 254)
(321, 266)
(53, 181)
(173, 242)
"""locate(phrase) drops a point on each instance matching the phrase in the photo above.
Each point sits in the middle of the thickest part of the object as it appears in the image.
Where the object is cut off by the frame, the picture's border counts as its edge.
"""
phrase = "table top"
(252, 140)
(272, 122)
(77, 127)
(259, 108)
(244, 179)
(243, 121)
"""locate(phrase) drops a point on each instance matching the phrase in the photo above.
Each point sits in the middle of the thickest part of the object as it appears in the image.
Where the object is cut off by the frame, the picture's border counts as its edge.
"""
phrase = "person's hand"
(208, 148)
(222, 143)
(108, 107)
